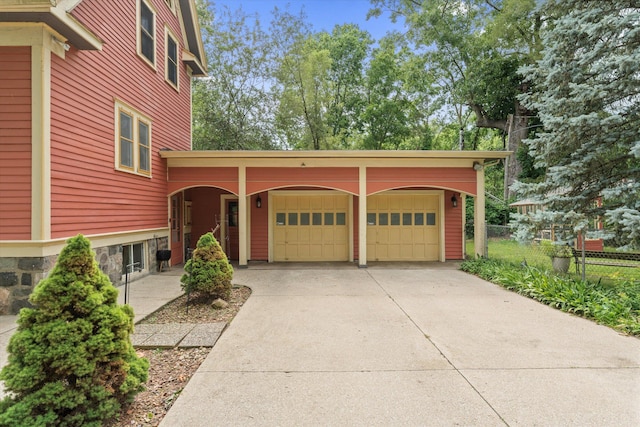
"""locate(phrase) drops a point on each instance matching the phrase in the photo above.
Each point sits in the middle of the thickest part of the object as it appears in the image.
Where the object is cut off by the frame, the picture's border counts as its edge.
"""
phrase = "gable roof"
(194, 56)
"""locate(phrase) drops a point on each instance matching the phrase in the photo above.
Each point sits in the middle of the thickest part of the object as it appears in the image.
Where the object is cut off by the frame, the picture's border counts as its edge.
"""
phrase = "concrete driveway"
(407, 345)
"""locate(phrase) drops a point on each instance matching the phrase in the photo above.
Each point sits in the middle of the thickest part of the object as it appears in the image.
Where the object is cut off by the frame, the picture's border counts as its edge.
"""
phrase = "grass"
(516, 253)
(615, 306)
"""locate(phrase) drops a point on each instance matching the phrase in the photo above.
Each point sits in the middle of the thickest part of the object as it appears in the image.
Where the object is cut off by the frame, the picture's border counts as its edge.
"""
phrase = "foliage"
(617, 307)
(473, 49)
(208, 272)
(556, 249)
(232, 107)
(496, 213)
(306, 94)
(586, 89)
(71, 362)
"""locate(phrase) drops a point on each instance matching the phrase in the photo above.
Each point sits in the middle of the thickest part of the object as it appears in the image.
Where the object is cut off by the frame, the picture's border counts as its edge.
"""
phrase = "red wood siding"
(260, 228)
(88, 194)
(221, 177)
(263, 179)
(15, 143)
(381, 179)
(205, 210)
(453, 227)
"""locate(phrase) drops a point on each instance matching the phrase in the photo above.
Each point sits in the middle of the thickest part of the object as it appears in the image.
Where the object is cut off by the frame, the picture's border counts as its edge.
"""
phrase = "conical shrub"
(208, 272)
(71, 361)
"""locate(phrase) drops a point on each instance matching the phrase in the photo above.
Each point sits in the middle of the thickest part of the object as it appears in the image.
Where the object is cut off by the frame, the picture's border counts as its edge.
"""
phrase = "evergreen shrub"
(71, 361)
(208, 272)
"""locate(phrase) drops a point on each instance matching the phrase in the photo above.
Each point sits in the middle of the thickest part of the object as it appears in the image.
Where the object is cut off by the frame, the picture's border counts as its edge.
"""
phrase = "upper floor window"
(171, 73)
(133, 140)
(146, 32)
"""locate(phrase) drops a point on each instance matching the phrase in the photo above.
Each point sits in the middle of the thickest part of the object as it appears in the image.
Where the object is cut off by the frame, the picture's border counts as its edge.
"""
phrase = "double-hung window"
(171, 66)
(133, 140)
(146, 32)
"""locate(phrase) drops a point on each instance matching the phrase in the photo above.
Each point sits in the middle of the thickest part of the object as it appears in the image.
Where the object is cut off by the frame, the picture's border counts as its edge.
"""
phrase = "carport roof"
(336, 157)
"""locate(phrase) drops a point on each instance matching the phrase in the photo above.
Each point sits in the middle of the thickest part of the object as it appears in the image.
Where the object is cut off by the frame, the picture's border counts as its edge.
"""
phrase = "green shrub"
(208, 272)
(616, 306)
(71, 362)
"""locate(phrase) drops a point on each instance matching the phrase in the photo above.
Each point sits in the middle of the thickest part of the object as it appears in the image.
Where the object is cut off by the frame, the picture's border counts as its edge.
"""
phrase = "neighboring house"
(90, 92)
(529, 207)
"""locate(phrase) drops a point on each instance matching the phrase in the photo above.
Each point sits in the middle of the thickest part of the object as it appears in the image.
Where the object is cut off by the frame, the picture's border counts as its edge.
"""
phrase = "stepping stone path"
(183, 335)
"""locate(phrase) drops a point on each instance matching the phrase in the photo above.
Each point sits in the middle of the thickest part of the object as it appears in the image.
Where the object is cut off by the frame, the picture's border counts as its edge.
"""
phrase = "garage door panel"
(310, 228)
(303, 251)
(395, 235)
(403, 227)
(304, 235)
(407, 234)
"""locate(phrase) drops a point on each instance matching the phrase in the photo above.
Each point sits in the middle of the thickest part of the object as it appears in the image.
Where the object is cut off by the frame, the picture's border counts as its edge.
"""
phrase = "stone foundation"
(18, 276)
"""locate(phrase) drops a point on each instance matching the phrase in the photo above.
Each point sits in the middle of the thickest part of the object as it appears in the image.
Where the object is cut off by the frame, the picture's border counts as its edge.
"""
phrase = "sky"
(322, 14)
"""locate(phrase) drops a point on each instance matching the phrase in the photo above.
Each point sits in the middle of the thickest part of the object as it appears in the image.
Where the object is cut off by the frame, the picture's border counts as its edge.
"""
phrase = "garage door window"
(371, 219)
(431, 218)
(317, 218)
(395, 219)
(328, 218)
(419, 218)
(304, 218)
(383, 219)
(293, 218)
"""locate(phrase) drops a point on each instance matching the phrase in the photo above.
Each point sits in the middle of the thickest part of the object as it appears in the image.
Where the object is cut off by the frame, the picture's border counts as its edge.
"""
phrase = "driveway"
(407, 345)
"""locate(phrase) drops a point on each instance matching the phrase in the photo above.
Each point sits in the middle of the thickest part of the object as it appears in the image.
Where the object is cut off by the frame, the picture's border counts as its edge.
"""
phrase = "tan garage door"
(403, 227)
(310, 228)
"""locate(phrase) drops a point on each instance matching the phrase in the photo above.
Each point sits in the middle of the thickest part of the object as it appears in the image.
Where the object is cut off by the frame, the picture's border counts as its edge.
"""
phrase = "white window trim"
(137, 118)
(153, 63)
(171, 4)
(168, 33)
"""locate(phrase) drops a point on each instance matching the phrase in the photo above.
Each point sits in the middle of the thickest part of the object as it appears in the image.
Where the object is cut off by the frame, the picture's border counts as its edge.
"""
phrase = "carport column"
(242, 215)
(479, 225)
(362, 218)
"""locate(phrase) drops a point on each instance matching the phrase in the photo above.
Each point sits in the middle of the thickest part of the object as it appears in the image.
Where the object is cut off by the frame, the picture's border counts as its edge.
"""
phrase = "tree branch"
(483, 121)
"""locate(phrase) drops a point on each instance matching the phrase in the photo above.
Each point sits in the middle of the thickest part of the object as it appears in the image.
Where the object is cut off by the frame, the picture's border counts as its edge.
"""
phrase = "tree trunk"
(515, 125)
(518, 126)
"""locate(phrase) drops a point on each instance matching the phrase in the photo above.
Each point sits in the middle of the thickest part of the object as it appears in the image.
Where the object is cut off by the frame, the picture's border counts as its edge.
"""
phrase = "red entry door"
(231, 246)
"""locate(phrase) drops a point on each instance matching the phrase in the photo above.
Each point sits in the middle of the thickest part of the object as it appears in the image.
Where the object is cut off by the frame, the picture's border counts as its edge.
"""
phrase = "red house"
(95, 138)
(90, 92)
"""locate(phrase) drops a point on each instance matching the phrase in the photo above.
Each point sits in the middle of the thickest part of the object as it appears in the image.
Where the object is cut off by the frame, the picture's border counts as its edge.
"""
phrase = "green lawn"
(514, 252)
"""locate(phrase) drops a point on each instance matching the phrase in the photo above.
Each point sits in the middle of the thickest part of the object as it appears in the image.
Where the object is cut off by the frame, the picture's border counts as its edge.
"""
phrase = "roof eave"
(197, 68)
(194, 45)
(354, 154)
(55, 17)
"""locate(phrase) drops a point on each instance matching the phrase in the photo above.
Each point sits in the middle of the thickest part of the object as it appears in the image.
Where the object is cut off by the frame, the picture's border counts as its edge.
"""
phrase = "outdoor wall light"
(477, 166)
(258, 202)
(454, 201)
